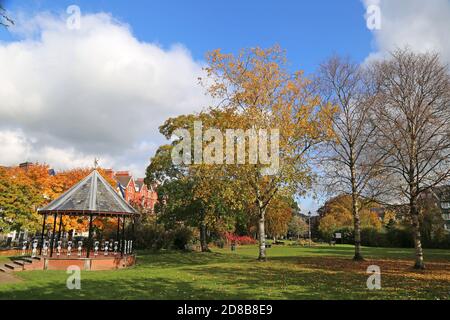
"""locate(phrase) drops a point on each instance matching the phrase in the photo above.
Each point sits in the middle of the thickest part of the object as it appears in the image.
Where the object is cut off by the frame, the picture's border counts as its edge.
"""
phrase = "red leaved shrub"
(242, 240)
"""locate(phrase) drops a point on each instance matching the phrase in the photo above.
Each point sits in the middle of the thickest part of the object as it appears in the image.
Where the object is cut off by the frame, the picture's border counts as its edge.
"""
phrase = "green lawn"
(3, 259)
(291, 273)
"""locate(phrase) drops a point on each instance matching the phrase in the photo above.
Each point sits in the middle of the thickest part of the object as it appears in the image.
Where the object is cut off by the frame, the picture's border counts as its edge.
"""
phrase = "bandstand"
(92, 198)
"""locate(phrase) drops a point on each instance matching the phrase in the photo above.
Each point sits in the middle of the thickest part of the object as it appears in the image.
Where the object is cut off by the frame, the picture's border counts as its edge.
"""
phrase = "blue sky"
(310, 31)
(107, 87)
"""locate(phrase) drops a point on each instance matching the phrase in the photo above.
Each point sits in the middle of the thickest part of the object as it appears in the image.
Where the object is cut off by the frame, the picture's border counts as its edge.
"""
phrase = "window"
(445, 205)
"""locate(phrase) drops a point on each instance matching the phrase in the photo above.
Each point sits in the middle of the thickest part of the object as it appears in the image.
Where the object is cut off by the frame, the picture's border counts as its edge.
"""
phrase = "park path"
(7, 278)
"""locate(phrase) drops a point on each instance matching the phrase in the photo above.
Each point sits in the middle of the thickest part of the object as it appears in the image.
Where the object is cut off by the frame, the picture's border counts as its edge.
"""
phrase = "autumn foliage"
(337, 214)
(242, 240)
(24, 190)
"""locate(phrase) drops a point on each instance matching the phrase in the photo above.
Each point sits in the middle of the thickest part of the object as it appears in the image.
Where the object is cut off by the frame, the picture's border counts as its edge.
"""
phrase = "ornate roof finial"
(96, 163)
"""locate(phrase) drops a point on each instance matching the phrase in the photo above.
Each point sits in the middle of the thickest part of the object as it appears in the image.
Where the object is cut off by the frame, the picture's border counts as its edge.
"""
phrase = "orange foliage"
(51, 187)
(279, 214)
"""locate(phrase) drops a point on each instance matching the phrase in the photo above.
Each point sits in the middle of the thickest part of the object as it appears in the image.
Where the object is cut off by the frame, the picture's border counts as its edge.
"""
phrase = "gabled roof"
(124, 180)
(92, 195)
(139, 184)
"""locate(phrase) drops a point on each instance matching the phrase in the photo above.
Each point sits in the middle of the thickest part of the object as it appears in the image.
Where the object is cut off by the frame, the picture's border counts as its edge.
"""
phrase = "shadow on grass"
(172, 259)
(123, 289)
(275, 282)
(198, 276)
(347, 251)
(331, 278)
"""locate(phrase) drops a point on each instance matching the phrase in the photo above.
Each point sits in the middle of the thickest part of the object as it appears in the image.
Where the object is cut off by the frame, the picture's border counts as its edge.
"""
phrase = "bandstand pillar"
(118, 230)
(42, 233)
(55, 217)
(89, 237)
(60, 225)
(122, 249)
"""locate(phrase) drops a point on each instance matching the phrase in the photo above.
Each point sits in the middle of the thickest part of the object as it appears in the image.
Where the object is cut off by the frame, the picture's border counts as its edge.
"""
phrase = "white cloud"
(421, 25)
(96, 91)
(14, 146)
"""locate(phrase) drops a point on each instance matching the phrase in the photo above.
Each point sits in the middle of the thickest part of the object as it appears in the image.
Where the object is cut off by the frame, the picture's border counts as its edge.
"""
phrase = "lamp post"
(309, 227)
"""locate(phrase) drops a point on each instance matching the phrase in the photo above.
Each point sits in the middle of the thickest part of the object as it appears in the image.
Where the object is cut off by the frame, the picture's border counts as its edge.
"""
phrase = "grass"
(290, 273)
(3, 259)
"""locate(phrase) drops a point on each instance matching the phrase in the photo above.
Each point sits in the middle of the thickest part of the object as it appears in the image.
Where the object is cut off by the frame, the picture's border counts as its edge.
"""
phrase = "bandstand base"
(86, 264)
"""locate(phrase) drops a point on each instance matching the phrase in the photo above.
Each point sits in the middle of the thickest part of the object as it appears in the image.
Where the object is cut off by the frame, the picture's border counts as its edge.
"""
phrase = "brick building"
(135, 191)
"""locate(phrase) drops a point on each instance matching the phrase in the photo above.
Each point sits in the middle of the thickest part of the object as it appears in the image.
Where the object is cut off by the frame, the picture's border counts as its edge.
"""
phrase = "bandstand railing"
(73, 249)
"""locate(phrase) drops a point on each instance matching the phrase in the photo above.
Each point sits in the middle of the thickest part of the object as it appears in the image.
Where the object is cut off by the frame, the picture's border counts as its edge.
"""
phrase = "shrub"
(150, 236)
(220, 243)
(154, 236)
(347, 235)
(182, 236)
(394, 235)
(399, 237)
(242, 240)
(371, 237)
(443, 242)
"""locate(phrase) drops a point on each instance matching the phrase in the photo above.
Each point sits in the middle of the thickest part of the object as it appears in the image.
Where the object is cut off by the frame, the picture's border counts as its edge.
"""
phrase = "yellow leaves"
(389, 216)
(338, 214)
(256, 90)
(279, 213)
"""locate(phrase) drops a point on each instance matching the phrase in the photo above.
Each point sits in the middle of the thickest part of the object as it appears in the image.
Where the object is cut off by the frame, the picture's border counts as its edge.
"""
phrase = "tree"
(337, 213)
(18, 204)
(279, 214)
(431, 221)
(350, 166)
(297, 226)
(5, 20)
(176, 188)
(24, 190)
(197, 194)
(256, 91)
(389, 217)
(412, 117)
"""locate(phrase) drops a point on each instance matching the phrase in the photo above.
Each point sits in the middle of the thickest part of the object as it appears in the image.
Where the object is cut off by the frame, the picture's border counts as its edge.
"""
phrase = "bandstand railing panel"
(71, 249)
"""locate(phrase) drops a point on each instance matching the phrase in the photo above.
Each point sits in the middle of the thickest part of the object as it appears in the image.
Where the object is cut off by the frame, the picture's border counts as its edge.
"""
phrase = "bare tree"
(412, 117)
(349, 165)
(5, 20)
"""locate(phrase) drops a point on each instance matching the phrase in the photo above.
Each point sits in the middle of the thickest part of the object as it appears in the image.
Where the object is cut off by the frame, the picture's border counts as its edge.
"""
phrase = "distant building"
(26, 165)
(441, 197)
(136, 191)
(147, 197)
(126, 185)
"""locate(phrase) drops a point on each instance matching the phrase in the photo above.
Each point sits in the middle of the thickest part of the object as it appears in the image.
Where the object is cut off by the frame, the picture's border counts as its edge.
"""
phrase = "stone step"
(3, 269)
(22, 262)
(14, 267)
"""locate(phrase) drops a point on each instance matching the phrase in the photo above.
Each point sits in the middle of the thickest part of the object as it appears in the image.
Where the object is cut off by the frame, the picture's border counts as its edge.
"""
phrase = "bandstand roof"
(92, 195)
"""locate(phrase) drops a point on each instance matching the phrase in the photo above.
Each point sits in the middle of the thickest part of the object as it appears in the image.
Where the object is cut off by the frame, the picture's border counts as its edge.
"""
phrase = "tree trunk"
(419, 264)
(203, 238)
(357, 229)
(262, 234)
(355, 211)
